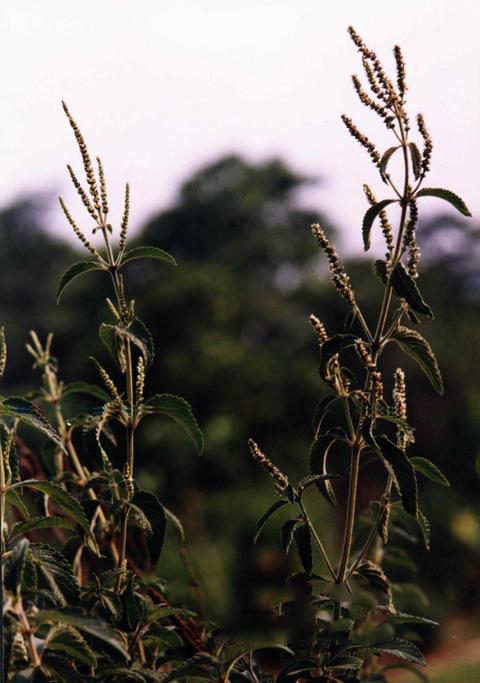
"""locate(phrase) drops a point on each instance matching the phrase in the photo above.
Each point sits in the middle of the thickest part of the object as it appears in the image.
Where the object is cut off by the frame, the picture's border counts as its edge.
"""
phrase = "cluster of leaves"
(348, 629)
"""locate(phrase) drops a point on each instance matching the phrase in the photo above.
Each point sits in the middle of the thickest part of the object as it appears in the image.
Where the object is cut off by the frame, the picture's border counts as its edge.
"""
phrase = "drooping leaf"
(56, 572)
(36, 523)
(318, 465)
(286, 534)
(14, 499)
(178, 410)
(67, 640)
(403, 649)
(85, 388)
(61, 669)
(424, 525)
(93, 626)
(376, 577)
(385, 159)
(449, 196)
(114, 343)
(402, 472)
(411, 342)
(66, 502)
(9, 451)
(15, 565)
(406, 288)
(75, 271)
(334, 345)
(321, 412)
(303, 542)
(148, 252)
(27, 412)
(177, 524)
(407, 667)
(369, 218)
(429, 470)
(266, 516)
(403, 618)
(139, 334)
(416, 158)
(380, 268)
(154, 512)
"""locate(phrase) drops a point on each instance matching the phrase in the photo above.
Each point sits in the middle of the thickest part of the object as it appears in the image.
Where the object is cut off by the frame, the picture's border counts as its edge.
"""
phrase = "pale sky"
(160, 87)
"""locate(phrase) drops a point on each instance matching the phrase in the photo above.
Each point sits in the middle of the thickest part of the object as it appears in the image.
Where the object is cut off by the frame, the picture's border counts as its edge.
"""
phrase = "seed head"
(427, 144)
(267, 464)
(77, 230)
(399, 396)
(384, 222)
(362, 139)
(339, 277)
(124, 226)
(3, 351)
(319, 328)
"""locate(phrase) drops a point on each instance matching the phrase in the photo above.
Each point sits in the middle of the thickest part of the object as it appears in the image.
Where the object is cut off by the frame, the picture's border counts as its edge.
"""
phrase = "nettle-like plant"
(354, 619)
(79, 608)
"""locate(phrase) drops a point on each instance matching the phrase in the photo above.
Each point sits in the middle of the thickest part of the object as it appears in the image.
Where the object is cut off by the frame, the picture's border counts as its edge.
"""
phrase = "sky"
(162, 87)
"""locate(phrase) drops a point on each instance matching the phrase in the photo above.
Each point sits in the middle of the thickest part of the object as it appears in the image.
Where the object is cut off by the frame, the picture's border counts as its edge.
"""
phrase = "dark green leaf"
(411, 342)
(114, 343)
(406, 288)
(380, 268)
(334, 345)
(416, 158)
(402, 618)
(287, 534)
(85, 388)
(56, 571)
(265, 517)
(318, 465)
(406, 667)
(148, 252)
(154, 512)
(369, 218)
(61, 669)
(402, 472)
(428, 469)
(67, 640)
(321, 412)
(303, 541)
(93, 626)
(67, 503)
(36, 523)
(180, 411)
(15, 566)
(424, 525)
(449, 196)
(375, 576)
(403, 649)
(14, 499)
(27, 412)
(75, 271)
(139, 334)
(385, 159)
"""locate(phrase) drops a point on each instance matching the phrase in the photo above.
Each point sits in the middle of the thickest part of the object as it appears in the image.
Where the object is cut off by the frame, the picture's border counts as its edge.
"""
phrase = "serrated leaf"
(321, 412)
(286, 534)
(376, 577)
(61, 669)
(424, 525)
(318, 465)
(266, 516)
(403, 618)
(303, 542)
(155, 513)
(148, 252)
(15, 566)
(114, 344)
(334, 345)
(57, 573)
(67, 640)
(9, 451)
(403, 649)
(429, 470)
(178, 410)
(416, 158)
(406, 288)
(75, 271)
(411, 342)
(385, 159)
(402, 472)
(139, 335)
(66, 502)
(27, 412)
(85, 388)
(93, 626)
(36, 523)
(449, 196)
(14, 499)
(369, 218)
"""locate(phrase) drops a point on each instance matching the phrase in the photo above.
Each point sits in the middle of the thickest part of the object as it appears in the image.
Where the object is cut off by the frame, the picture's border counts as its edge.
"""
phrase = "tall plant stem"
(3, 494)
(376, 351)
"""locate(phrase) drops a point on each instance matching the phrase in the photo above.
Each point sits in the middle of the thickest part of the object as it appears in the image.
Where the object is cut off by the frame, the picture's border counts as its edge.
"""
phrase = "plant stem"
(29, 633)
(3, 494)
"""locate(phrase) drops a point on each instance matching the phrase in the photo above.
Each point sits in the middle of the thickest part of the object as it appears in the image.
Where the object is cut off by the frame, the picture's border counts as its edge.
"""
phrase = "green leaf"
(67, 503)
(401, 648)
(56, 572)
(407, 667)
(334, 345)
(139, 334)
(180, 411)
(85, 388)
(380, 268)
(385, 159)
(303, 542)
(428, 469)
(14, 499)
(406, 288)
(114, 343)
(240, 649)
(60, 668)
(369, 218)
(411, 342)
(376, 577)
(155, 514)
(424, 525)
(15, 566)
(75, 271)
(449, 196)
(402, 472)
(93, 626)
(416, 158)
(36, 523)
(265, 517)
(67, 640)
(402, 618)
(27, 412)
(148, 252)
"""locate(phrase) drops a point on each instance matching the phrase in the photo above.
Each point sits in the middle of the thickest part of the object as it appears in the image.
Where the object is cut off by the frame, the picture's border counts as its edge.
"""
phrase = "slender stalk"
(27, 630)
(2, 549)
